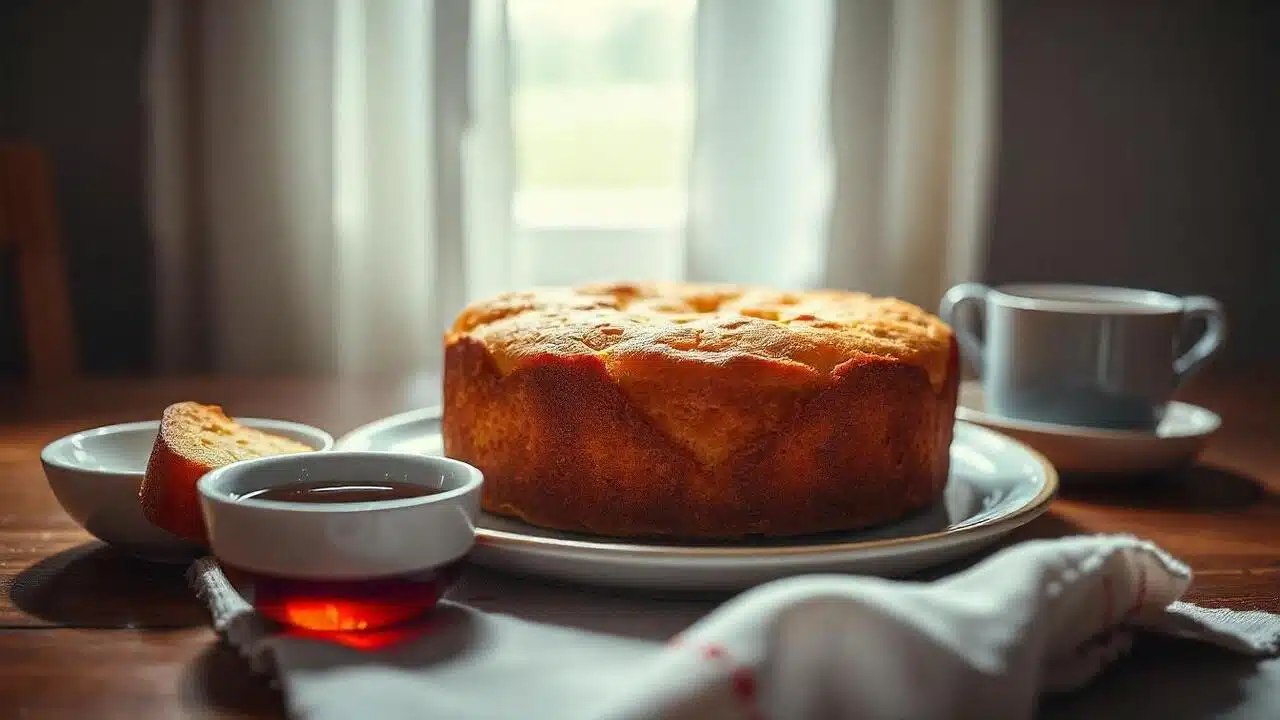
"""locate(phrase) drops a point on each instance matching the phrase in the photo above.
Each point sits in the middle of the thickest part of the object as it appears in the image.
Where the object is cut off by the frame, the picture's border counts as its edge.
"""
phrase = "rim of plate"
(361, 434)
(1027, 512)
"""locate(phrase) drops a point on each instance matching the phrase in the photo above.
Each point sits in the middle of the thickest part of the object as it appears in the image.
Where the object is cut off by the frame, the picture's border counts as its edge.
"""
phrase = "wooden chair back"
(29, 234)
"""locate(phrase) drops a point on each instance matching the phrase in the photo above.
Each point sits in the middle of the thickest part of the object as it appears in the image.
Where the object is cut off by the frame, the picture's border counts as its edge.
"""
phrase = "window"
(602, 118)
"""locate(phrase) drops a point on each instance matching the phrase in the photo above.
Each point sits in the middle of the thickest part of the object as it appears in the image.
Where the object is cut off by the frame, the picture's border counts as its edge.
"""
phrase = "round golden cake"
(701, 411)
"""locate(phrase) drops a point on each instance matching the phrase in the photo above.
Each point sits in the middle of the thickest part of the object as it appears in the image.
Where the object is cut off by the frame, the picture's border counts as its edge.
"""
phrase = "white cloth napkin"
(1043, 616)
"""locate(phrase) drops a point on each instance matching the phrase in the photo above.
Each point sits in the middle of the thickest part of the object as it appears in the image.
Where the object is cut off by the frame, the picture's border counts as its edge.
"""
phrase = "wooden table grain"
(85, 632)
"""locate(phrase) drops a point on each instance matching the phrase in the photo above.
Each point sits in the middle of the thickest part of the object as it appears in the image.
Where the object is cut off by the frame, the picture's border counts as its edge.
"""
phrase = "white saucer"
(996, 484)
(1072, 449)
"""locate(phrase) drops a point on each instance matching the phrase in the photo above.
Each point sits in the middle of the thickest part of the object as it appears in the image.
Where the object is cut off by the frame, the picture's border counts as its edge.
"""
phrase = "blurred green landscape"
(606, 136)
(602, 93)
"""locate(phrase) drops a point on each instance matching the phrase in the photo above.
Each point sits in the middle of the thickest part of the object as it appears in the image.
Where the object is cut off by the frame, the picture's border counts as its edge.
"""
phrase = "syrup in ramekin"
(342, 605)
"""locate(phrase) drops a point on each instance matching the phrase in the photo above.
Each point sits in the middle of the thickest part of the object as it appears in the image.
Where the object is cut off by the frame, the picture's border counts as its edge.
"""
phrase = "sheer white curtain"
(843, 143)
(332, 179)
(761, 161)
(306, 181)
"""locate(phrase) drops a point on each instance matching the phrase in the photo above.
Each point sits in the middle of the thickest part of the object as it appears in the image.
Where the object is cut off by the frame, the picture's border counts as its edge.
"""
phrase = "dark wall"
(1138, 147)
(70, 79)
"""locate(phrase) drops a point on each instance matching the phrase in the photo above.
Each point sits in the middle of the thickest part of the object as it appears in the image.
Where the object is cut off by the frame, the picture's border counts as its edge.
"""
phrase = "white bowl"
(341, 541)
(96, 475)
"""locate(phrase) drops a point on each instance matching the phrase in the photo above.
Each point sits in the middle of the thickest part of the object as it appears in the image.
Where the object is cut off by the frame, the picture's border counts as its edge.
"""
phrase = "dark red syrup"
(343, 605)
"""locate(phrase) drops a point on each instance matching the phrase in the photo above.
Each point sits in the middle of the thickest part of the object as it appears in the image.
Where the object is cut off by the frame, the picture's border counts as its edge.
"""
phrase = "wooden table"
(87, 633)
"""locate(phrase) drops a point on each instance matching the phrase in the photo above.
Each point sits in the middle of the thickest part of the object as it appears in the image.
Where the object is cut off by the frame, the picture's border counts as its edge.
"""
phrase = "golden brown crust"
(814, 331)
(695, 440)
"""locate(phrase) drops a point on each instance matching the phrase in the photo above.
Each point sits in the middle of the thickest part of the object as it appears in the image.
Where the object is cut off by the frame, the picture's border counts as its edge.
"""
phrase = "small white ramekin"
(341, 541)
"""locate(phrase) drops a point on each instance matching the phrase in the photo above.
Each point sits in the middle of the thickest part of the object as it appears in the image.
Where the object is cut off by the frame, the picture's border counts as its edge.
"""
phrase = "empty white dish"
(1181, 436)
(96, 475)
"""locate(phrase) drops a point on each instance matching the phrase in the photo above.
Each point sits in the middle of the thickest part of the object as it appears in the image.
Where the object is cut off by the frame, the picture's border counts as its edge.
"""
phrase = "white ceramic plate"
(1181, 436)
(996, 485)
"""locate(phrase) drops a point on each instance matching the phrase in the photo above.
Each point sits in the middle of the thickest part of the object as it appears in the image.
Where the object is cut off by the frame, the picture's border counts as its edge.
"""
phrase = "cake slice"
(193, 440)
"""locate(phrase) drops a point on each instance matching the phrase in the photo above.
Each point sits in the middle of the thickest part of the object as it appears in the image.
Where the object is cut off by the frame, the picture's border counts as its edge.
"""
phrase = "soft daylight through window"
(602, 109)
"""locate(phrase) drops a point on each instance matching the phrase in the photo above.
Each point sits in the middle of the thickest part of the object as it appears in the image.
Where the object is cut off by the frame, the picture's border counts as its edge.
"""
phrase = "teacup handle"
(956, 297)
(1215, 332)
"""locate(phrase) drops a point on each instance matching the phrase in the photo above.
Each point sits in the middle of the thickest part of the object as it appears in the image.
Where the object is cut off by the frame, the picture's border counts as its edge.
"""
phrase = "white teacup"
(1083, 354)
